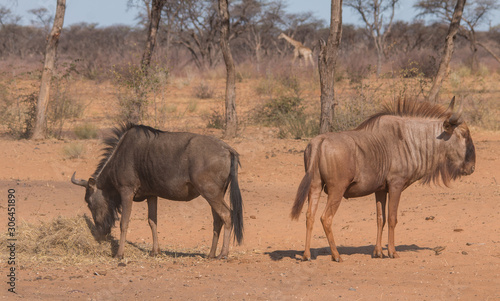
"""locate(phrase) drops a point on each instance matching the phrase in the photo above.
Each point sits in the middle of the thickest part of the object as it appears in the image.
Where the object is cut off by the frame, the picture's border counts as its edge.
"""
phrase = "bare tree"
(447, 51)
(198, 32)
(231, 118)
(326, 65)
(50, 58)
(372, 13)
(475, 12)
(261, 18)
(6, 17)
(43, 18)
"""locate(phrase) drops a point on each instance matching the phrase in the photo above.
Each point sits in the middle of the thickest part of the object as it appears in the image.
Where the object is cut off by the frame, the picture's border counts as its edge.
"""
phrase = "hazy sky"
(110, 12)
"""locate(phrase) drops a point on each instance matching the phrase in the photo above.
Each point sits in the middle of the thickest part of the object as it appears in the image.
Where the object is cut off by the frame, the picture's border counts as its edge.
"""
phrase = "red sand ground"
(267, 266)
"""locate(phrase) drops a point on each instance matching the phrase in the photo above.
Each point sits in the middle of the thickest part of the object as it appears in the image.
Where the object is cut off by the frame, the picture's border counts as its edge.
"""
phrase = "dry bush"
(216, 120)
(417, 63)
(73, 150)
(352, 111)
(203, 91)
(483, 113)
(358, 65)
(138, 90)
(17, 113)
(284, 107)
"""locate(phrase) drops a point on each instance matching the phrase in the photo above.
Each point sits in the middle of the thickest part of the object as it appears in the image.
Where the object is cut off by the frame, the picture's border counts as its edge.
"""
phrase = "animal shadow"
(343, 250)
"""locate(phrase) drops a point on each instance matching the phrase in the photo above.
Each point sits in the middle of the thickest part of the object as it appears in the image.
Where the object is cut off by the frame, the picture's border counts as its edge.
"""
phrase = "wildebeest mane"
(408, 108)
(112, 141)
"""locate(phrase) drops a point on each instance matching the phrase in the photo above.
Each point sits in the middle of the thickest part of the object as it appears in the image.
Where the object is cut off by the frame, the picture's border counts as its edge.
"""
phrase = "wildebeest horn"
(452, 104)
(78, 182)
(455, 118)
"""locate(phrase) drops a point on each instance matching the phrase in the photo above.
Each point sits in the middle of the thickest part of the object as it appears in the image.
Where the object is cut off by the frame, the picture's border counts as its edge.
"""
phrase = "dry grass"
(70, 240)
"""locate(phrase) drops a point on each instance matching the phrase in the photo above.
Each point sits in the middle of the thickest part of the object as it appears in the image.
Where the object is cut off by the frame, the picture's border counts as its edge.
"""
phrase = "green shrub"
(85, 131)
(298, 126)
(273, 112)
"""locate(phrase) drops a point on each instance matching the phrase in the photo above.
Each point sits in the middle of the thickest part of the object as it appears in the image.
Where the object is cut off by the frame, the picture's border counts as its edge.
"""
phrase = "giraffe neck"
(295, 44)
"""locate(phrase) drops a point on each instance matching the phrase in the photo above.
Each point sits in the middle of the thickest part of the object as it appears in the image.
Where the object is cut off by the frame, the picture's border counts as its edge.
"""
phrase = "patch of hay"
(70, 240)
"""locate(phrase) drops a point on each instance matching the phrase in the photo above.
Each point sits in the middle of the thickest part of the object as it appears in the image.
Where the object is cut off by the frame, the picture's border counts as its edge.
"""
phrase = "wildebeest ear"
(448, 127)
(92, 183)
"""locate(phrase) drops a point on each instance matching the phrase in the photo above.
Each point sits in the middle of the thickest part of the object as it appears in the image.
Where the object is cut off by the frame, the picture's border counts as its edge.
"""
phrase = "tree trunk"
(39, 131)
(447, 51)
(326, 66)
(231, 118)
(137, 104)
(154, 22)
(379, 61)
(473, 47)
(377, 40)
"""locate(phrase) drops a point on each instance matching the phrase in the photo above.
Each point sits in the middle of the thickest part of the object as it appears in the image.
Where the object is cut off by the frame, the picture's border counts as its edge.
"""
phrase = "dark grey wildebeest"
(142, 163)
(404, 143)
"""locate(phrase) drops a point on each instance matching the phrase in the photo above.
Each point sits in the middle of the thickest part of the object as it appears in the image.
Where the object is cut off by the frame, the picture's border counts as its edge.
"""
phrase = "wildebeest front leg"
(381, 200)
(126, 197)
(394, 195)
(152, 220)
(217, 227)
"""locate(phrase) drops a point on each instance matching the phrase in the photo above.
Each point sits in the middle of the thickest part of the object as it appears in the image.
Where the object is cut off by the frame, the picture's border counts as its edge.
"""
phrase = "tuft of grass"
(192, 105)
(204, 91)
(85, 131)
(73, 150)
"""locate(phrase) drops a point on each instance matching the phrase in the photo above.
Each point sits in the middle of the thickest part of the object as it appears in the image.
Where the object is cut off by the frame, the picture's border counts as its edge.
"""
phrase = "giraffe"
(299, 51)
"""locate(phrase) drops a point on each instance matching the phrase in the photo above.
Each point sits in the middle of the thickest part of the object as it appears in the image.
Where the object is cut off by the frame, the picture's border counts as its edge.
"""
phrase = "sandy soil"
(466, 223)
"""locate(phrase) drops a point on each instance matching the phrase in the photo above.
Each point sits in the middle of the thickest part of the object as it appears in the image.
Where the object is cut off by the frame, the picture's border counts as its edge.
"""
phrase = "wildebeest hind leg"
(217, 227)
(381, 199)
(313, 200)
(334, 199)
(222, 210)
(126, 197)
(152, 220)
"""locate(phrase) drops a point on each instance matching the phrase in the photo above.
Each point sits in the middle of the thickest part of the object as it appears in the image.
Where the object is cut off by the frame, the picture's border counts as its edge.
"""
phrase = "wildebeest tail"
(310, 155)
(236, 200)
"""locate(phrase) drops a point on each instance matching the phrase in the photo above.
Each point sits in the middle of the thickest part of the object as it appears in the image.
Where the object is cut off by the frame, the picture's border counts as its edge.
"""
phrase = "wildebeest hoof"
(338, 259)
(378, 254)
(394, 255)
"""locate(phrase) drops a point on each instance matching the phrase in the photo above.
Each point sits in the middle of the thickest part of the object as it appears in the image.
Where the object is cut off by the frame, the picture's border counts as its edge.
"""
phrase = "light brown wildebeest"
(404, 143)
(142, 163)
